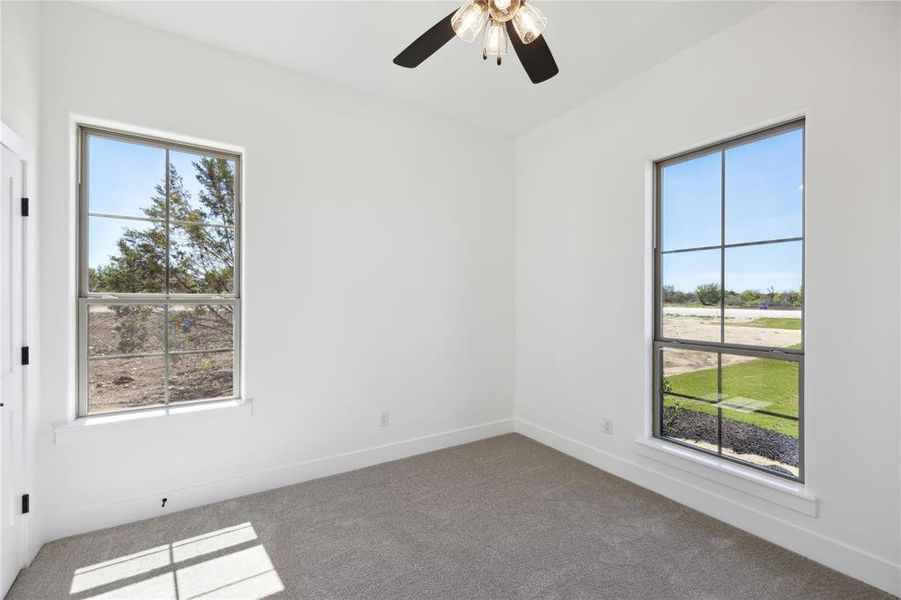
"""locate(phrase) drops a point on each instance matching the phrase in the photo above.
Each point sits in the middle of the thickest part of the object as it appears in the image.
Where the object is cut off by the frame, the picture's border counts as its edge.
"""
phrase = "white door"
(12, 397)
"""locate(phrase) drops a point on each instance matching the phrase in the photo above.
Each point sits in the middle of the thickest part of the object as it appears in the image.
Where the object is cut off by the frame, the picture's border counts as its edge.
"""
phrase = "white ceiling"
(596, 45)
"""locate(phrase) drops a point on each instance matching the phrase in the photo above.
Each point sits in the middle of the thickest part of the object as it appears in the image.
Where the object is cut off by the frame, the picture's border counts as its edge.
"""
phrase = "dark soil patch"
(742, 438)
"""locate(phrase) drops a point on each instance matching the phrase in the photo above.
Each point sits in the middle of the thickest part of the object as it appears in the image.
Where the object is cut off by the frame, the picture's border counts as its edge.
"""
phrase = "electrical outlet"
(608, 426)
(384, 418)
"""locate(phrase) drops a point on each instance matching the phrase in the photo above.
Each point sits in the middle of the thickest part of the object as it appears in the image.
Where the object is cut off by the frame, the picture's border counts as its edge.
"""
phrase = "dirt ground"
(708, 329)
(139, 381)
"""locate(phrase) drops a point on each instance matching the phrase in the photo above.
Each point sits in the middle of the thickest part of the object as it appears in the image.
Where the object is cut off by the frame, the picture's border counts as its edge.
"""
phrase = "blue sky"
(763, 193)
(121, 178)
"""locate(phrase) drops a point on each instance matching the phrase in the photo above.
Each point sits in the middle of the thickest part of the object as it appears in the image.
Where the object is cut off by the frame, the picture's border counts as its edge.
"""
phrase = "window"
(729, 278)
(159, 277)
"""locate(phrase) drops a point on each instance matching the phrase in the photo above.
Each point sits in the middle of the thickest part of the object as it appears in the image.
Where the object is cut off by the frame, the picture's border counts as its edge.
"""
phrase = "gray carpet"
(501, 518)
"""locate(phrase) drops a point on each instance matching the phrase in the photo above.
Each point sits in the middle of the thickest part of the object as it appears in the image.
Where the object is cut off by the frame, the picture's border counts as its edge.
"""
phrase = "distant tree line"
(708, 294)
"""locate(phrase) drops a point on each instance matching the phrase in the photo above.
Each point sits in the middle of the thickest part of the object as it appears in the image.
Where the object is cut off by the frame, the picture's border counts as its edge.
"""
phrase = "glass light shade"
(468, 20)
(529, 23)
(495, 40)
(503, 10)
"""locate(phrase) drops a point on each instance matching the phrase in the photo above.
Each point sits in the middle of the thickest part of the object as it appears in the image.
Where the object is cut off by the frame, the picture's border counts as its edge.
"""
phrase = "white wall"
(20, 35)
(378, 274)
(20, 67)
(400, 271)
(583, 266)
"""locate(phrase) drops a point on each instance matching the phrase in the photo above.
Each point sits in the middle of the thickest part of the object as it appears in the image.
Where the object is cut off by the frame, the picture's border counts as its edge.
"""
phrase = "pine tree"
(201, 250)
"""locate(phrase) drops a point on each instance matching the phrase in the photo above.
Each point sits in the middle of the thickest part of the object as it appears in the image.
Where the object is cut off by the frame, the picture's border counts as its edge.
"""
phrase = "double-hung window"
(729, 279)
(159, 273)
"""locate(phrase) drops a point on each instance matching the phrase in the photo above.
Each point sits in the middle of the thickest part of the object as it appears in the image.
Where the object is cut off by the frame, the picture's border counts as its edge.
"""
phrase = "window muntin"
(729, 253)
(159, 306)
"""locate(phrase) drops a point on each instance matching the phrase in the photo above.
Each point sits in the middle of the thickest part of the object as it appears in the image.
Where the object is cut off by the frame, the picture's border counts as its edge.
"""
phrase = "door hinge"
(24, 207)
(26, 503)
(24, 355)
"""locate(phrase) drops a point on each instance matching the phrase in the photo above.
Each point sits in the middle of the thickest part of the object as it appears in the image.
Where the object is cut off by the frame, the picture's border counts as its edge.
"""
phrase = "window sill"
(125, 424)
(773, 489)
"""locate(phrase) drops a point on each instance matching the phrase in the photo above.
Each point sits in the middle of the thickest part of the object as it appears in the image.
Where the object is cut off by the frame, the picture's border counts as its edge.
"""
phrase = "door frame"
(30, 419)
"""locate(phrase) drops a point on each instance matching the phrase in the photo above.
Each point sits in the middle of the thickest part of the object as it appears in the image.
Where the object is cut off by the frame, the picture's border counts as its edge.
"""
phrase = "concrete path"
(736, 313)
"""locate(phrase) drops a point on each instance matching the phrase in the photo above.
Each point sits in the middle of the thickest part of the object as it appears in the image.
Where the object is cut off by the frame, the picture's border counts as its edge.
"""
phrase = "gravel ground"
(741, 438)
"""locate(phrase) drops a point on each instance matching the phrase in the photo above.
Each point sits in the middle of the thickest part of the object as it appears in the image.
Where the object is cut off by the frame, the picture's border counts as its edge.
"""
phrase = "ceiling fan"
(518, 20)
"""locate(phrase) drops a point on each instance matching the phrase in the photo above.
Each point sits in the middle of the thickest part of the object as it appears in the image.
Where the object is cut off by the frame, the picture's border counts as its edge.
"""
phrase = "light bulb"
(495, 41)
(529, 22)
(503, 10)
(469, 18)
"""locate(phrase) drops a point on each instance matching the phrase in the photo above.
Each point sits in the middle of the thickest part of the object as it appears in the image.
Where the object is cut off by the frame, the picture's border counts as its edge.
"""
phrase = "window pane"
(690, 422)
(201, 376)
(125, 178)
(692, 203)
(764, 193)
(126, 256)
(690, 373)
(689, 389)
(763, 290)
(123, 383)
(691, 295)
(202, 260)
(125, 329)
(202, 188)
(201, 326)
(760, 411)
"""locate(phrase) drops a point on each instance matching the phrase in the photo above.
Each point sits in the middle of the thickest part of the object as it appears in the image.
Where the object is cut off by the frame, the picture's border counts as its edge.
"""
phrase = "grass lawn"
(771, 382)
(773, 323)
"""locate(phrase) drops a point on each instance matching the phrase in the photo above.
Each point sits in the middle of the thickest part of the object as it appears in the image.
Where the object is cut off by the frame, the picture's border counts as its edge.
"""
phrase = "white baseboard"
(837, 555)
(100, 516)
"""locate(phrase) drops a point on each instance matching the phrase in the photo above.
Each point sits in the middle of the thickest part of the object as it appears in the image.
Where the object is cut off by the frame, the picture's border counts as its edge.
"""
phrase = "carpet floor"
(500, 518)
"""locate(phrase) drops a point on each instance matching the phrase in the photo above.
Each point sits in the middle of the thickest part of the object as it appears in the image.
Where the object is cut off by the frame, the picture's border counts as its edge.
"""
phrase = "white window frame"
(86, 298)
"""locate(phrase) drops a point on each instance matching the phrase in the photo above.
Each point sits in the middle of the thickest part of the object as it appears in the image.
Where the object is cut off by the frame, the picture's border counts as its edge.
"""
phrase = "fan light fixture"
(502, 10)
(520, 21)
(527, 20)
(495, 43)
(469, 19)
(529, 23)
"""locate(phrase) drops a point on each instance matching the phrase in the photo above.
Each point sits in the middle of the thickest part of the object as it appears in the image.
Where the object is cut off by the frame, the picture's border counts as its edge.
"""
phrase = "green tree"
(708, 294)
(200, 244)
(750, 297)
(671, 295)
(791, 297)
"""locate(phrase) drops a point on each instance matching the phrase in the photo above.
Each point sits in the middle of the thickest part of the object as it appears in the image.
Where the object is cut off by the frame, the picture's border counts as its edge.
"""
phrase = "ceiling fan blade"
(536, 58)
(427, 44)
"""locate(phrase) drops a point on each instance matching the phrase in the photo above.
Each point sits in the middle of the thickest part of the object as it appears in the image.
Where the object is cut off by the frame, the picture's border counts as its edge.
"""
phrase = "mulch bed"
(742, 438)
